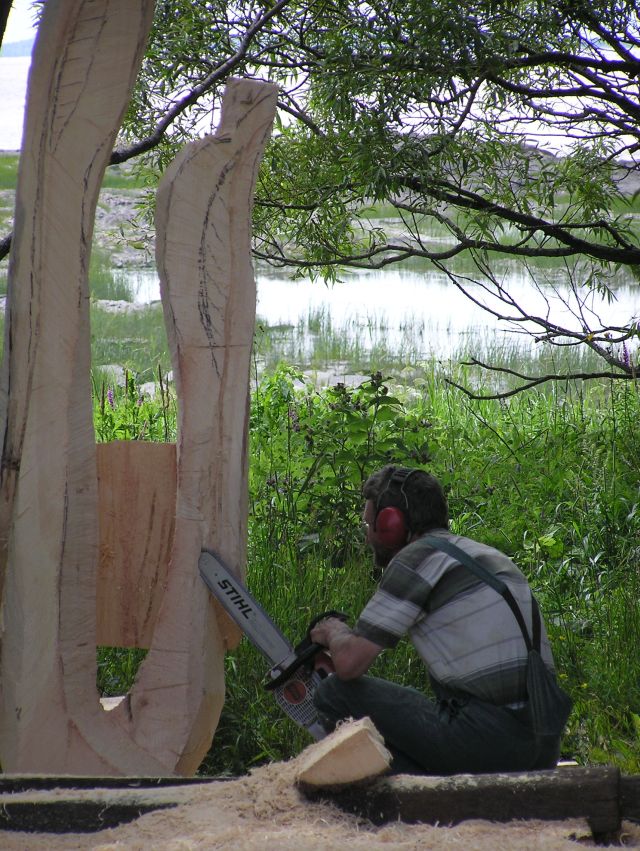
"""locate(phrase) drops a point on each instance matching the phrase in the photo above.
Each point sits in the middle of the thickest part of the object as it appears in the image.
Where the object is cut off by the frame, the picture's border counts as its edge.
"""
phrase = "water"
(14, 71)
(400, 307)
(391, 306)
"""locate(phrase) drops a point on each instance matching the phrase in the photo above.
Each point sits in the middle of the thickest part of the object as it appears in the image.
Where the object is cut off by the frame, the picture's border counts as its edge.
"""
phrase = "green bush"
(122, 411)
(551, 479)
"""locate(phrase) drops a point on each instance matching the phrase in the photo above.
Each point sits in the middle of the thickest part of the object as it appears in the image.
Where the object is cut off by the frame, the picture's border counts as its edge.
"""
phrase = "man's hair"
(415, 492)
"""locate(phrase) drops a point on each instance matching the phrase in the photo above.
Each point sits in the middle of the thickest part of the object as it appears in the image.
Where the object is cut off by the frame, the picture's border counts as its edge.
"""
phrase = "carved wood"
(51, 718)
(136, 512)
(203, 252)
(84, 66)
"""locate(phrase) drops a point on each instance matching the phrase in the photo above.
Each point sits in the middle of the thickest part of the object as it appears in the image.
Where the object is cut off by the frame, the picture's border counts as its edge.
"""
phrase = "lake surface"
(402, 308)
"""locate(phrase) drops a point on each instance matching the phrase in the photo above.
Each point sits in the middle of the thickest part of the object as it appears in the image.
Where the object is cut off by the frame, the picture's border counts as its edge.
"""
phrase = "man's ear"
(390, 529)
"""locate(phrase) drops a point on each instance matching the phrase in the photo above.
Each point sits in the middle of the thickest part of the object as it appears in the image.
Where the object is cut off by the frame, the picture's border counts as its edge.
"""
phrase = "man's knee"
(327, 693)
(337, 699)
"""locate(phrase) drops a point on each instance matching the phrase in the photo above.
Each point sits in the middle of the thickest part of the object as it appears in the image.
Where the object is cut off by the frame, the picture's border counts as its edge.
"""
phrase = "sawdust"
(265, 810)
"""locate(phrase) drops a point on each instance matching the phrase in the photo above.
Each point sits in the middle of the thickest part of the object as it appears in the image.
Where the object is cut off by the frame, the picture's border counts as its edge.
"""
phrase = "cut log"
(591, 793)
(630, 797)
(82, 811)
(354, 752)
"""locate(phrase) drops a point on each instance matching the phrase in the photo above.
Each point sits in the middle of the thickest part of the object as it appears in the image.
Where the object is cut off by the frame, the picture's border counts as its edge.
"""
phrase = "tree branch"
(533, 381)
(120, 155)
(123, 154)
(467, 199)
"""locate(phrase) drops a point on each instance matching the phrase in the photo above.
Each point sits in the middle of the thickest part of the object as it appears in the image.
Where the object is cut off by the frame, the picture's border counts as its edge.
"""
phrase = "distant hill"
(17, 48)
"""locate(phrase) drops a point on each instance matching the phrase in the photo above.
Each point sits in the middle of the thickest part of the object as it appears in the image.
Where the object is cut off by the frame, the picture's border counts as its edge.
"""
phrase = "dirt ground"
(266, 811)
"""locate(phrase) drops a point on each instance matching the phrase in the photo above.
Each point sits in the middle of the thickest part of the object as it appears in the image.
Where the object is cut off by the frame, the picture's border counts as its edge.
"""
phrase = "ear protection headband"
(391, 525)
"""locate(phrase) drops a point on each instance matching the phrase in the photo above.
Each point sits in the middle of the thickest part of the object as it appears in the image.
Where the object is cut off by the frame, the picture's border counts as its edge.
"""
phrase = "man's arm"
(351, 654)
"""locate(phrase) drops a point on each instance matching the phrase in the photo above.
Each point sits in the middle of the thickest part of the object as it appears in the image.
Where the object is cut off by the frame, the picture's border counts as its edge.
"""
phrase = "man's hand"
(351, 654)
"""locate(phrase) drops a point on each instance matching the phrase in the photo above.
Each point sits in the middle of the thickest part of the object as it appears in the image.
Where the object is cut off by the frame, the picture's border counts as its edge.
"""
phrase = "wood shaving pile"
(265, 810)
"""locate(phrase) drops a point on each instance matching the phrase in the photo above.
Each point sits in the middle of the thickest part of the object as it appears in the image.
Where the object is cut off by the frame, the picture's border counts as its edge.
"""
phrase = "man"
(464, 631)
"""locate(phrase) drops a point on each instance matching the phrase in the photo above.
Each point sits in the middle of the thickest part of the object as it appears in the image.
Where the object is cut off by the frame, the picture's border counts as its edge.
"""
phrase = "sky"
(20, 24)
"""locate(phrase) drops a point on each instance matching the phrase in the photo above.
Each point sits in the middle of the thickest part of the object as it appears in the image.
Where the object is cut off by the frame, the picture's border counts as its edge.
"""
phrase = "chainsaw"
(292, 676)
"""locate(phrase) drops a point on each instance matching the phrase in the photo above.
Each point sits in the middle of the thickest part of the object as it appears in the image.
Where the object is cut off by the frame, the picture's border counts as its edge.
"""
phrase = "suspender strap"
(498, 585)
(535, 620)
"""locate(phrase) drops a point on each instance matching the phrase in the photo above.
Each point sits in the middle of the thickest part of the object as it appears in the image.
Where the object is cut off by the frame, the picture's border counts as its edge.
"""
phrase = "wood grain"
(136, 514)
(51, 718)
(84, 66)
(203, 252)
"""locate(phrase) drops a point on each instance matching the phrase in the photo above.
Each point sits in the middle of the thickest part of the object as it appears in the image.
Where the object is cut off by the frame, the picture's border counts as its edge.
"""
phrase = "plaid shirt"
(463, 630)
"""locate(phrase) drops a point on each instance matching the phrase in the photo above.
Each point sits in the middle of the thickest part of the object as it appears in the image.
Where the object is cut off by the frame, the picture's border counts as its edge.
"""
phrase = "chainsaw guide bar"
(292, 683)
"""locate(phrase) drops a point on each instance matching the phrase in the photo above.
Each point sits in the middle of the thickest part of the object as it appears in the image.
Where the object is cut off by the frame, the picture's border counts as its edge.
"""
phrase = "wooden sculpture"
(55, 526)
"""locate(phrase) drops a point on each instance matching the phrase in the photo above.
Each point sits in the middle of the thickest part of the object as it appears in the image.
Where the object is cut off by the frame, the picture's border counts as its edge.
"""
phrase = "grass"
(8, 170)
(134, 340)
(124, 410)
(551, 479)
(121, 176)
(105, 282)
(363, 347)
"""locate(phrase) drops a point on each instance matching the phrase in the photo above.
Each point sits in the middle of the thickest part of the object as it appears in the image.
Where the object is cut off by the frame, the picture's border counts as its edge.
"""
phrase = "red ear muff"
(390, 528)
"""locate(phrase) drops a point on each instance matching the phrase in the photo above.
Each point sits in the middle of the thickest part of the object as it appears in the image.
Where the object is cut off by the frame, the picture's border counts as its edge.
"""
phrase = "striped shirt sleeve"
(395, 606)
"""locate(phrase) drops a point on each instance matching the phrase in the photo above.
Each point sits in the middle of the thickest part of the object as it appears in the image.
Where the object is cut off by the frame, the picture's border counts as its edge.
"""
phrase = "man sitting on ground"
(463, 630)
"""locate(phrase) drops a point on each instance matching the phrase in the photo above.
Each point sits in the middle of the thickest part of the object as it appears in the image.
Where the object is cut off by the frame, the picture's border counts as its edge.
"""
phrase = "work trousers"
(453, 735)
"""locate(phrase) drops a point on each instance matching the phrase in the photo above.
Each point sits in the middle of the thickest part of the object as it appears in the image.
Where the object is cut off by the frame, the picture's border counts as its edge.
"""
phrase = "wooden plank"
(591, 793)
(136, 518)
(136, 512)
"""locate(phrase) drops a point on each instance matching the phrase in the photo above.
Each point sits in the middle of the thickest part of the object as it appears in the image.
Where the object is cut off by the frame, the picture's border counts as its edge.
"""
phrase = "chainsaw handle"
(305, 651)
(332, 613)
(305, 655)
